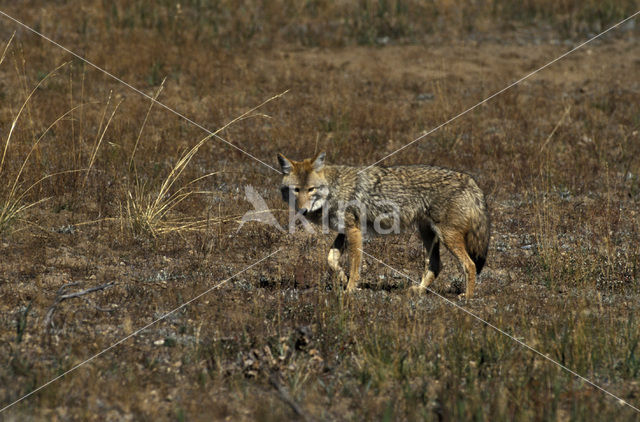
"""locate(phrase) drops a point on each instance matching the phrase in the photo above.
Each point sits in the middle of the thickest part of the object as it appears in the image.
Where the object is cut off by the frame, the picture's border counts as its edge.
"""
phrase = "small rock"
(66, 229)
(425, 96)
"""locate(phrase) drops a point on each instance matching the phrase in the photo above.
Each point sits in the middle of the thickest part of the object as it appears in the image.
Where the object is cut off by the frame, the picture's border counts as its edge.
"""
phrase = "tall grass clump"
(150, 210)
(14, 202)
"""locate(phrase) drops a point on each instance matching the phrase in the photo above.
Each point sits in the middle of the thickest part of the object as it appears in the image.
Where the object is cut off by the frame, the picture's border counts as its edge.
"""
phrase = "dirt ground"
(195, 316)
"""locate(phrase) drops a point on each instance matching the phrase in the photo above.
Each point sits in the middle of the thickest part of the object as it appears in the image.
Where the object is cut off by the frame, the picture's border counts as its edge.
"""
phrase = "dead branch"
(61, 296)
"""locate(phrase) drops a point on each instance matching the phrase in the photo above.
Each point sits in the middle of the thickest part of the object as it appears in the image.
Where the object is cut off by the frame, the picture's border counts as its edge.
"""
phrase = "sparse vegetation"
(100, 188)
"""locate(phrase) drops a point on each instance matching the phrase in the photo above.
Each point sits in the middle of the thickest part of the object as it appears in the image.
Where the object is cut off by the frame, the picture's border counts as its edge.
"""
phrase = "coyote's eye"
(311, 189)
(296, 190)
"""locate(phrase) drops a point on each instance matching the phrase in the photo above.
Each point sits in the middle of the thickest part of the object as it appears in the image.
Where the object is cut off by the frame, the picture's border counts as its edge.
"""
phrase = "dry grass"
(149, 213)
(147, 201)
(13, 206)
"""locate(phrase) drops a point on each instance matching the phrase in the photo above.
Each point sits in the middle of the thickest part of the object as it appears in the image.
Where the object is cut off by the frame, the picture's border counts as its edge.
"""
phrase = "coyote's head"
(304, 182)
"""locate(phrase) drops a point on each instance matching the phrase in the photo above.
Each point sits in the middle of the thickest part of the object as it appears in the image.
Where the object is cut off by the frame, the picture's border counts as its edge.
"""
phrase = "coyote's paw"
(342, 278)
(463, 297)
(352, 289)
(417, 290)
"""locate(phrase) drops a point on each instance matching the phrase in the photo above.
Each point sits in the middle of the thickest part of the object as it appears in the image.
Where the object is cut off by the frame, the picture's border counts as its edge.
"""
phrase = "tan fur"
(354, 249)
(445, 206)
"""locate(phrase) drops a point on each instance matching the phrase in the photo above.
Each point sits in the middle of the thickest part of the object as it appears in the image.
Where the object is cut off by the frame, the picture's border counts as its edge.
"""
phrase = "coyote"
(445, 207)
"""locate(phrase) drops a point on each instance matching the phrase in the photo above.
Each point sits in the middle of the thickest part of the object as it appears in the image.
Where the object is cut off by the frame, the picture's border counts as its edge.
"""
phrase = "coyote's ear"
(285, 164)
(318, 162)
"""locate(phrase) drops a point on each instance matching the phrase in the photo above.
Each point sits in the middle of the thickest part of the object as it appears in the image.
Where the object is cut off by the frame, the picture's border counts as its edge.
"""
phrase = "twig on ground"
(61, 296)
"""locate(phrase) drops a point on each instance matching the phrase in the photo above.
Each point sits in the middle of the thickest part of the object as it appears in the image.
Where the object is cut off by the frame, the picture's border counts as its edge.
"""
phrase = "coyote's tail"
(477, 238)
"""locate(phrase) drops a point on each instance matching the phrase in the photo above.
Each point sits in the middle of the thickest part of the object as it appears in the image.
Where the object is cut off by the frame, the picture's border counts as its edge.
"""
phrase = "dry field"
(132, 208)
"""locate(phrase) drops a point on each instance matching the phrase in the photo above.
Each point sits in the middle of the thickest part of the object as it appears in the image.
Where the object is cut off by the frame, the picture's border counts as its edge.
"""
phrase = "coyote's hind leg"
(453, 239)
(432, 259)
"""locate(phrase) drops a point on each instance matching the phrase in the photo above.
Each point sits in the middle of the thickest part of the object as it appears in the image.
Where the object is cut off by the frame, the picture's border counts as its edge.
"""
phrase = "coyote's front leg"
(334, 257)
(354, 248)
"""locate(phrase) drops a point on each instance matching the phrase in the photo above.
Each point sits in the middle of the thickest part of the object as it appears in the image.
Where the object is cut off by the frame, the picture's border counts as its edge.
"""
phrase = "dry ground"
(557, 155)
